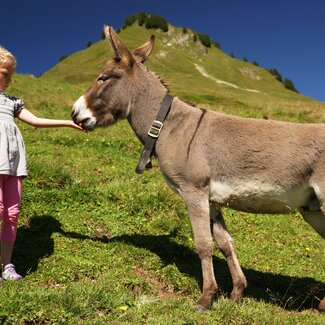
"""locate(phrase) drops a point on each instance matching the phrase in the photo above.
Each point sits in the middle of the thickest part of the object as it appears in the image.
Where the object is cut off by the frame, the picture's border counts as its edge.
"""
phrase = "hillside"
(205, 76)
(99, 244)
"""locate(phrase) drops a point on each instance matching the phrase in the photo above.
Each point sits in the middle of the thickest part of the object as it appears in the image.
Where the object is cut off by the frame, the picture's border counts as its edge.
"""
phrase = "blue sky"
(285, 34)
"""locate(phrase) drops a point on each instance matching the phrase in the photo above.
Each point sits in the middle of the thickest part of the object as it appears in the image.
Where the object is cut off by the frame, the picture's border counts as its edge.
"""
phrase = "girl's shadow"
(34, 242)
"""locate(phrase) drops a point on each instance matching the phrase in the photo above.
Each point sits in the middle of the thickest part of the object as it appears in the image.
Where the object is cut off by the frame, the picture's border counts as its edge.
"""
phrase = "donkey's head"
(117, 88)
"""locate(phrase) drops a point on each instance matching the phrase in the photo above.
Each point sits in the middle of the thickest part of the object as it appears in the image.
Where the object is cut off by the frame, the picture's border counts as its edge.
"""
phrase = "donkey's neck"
(144, 111)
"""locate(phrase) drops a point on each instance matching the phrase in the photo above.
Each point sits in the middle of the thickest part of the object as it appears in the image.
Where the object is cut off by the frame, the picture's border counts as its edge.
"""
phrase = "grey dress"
(12, 148)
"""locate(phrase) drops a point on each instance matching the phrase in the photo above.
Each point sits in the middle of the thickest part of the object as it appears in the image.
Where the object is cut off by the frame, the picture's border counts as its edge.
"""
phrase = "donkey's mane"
(162, 81)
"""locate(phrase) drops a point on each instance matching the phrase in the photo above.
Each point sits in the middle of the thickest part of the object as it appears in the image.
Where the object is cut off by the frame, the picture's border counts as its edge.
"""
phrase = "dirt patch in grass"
(162, 289)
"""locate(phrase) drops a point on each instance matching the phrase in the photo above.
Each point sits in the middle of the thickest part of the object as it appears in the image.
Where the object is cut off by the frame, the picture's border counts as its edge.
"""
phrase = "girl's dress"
(12, 148)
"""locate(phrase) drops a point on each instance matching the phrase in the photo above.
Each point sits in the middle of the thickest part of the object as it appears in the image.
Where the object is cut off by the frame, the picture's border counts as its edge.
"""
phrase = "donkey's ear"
(141, 53)
(118, 47)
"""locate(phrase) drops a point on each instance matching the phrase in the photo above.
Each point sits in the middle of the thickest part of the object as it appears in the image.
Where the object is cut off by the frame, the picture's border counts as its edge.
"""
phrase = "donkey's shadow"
(34, 242)
(290, 293)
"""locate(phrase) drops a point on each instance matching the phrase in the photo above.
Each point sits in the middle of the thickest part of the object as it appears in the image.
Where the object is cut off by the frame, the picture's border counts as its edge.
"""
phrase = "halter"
(153, 134)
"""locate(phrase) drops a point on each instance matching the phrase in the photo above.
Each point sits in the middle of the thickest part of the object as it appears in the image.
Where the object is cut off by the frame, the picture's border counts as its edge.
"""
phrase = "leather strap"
(153, 134)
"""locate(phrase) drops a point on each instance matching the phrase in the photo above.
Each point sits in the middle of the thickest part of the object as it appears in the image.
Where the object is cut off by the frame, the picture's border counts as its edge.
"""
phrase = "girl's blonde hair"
(5, 56)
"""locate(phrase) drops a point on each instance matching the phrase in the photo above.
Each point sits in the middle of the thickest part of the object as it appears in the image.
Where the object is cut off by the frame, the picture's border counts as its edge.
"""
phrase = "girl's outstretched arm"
(28, 117)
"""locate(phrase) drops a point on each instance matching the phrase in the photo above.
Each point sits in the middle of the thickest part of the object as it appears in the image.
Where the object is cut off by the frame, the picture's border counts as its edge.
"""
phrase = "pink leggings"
(10, 197)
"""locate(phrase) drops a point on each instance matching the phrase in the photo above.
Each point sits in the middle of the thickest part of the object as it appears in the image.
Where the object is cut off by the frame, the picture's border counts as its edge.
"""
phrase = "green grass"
(99, 244)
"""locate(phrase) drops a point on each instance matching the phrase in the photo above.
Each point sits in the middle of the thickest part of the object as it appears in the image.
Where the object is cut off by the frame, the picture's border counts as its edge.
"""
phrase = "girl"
(13, 160)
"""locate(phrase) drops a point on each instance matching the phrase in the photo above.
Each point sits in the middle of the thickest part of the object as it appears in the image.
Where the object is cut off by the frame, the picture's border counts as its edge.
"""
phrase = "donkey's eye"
(102, 78)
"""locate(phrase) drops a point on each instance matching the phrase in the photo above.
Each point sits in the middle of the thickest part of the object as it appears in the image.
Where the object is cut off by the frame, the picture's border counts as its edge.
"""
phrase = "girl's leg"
(2, 208)
(7, 248)
(11, 192)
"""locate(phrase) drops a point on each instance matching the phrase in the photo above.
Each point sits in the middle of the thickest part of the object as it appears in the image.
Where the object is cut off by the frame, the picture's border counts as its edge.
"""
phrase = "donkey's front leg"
(198, 207)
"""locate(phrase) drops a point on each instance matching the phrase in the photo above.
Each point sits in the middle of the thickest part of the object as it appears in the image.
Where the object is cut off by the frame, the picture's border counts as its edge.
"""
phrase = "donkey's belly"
(258, 197)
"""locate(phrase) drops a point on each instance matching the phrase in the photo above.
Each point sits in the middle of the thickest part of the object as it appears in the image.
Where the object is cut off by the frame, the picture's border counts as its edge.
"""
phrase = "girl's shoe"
(9, 273)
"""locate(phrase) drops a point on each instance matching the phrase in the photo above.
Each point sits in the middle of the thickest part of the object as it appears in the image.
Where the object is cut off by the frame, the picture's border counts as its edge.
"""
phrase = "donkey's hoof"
(200, 308)
(237, 292)
(321, 306)
(235, 296)
(204, 303)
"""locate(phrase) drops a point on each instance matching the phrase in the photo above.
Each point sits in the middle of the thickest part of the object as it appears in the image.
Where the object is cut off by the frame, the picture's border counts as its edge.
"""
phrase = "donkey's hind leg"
(316, 218)
(226, 246)
(314, 213)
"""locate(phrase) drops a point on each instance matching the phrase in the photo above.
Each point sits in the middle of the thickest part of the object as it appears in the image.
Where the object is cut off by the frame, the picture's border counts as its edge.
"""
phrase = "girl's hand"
(75, 126)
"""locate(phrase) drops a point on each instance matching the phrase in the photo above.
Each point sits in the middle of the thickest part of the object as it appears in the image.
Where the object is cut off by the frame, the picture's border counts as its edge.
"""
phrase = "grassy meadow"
(99, 244)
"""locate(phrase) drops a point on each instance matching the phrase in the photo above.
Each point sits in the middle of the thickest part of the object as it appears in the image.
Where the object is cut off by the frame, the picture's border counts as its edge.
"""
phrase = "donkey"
(211, 159)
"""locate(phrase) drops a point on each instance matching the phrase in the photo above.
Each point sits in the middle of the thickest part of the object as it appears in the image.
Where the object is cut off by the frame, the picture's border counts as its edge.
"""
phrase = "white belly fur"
(259, 197)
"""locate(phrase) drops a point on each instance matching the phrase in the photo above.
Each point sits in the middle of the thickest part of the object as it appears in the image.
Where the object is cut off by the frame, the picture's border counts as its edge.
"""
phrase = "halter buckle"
(155, 129)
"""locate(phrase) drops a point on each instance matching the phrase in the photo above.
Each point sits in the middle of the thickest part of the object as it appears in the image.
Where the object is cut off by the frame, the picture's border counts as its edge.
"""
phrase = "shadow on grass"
(34, 242)
(290, 293)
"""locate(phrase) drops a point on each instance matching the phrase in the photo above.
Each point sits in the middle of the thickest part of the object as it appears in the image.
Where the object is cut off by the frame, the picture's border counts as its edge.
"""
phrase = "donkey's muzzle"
(82, 115)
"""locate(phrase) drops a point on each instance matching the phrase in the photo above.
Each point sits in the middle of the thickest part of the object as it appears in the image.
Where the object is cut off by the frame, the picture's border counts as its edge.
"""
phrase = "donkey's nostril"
(74, 115)
(85, 120)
